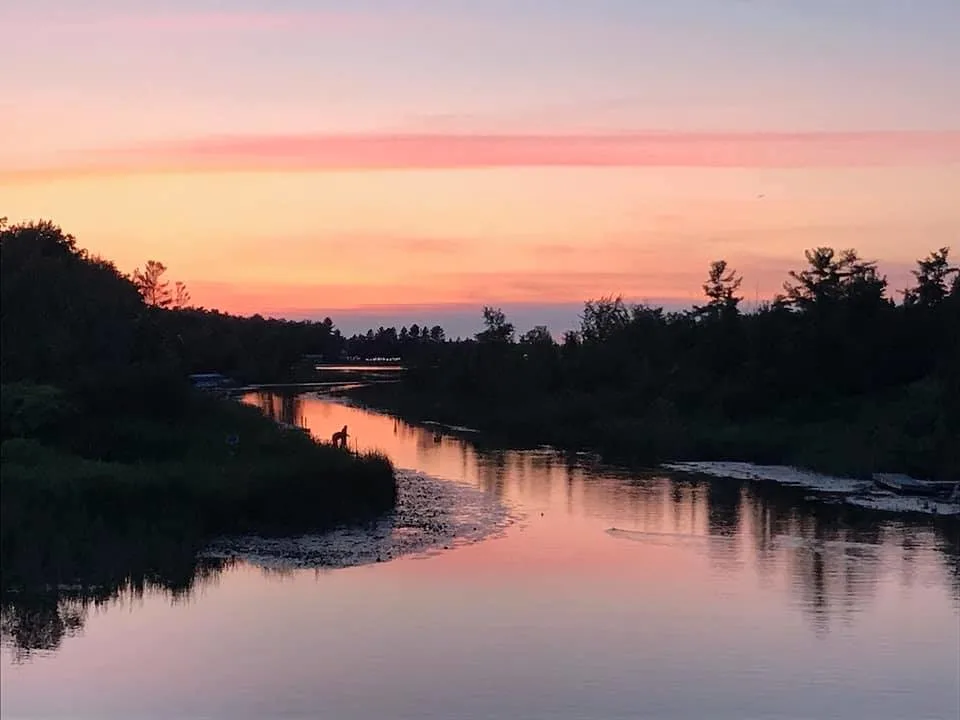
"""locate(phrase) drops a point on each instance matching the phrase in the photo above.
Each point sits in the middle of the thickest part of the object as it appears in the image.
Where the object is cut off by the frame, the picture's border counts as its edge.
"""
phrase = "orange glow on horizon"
(309, 243)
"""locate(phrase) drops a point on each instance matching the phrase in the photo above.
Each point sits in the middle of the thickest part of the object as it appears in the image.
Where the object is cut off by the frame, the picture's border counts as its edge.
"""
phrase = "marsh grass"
(98, 494)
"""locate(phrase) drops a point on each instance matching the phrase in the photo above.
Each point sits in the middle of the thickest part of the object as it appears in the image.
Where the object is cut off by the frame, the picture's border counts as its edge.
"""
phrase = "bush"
(32, 410)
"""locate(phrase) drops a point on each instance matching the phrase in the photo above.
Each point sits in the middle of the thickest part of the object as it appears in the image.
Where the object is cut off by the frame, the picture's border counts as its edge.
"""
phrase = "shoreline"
(88, 498)
(863, 494)
(856, 491)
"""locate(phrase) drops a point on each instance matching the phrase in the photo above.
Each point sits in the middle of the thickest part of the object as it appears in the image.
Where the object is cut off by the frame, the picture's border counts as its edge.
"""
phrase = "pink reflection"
(614, 595)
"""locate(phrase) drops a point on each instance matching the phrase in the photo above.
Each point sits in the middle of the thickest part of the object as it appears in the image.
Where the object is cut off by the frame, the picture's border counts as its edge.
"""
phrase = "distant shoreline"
(768, 443)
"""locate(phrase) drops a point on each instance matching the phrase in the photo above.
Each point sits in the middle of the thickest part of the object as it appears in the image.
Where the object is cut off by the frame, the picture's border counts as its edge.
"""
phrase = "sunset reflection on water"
(612, 594)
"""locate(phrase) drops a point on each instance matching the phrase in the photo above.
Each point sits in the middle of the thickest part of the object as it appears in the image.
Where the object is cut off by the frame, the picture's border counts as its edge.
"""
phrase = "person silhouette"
(339, 439)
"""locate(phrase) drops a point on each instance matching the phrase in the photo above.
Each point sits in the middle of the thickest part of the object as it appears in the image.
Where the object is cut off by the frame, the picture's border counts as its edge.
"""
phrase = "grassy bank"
(896, 432)
(84, 495)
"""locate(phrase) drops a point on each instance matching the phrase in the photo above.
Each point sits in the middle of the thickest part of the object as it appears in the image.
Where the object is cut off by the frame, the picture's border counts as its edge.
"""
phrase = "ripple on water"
(432, 515)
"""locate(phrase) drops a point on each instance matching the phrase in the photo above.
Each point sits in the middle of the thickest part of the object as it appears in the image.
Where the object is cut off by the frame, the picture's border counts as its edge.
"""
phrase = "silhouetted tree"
(539, 335)
(721, 290)
(602, 319)
(181, 296)
(831, 279)
(155, 291)
(497, 330)
(571, 339)
(862, 284)
(933, 280)
(66, 316)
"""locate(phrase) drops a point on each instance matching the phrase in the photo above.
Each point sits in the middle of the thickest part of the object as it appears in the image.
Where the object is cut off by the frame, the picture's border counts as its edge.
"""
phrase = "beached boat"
(906, 485)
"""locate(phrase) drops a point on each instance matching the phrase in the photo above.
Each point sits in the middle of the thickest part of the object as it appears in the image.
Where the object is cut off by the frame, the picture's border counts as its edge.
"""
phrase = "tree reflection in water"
(833, 557)
(38, 619)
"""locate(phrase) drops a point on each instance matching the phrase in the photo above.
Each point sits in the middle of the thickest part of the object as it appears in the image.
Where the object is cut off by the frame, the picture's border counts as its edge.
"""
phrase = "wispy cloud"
(204, 22)
(449, 292)
(315, 152)
(446, 288)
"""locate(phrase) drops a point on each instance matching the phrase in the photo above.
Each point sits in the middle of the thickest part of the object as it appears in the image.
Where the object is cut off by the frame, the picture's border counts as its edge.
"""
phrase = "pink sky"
(448, 151)
(301, 160)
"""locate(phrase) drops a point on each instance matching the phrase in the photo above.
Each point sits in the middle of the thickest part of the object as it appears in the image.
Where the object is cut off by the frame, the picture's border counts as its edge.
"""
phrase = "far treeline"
(838, 373)
(834, 375)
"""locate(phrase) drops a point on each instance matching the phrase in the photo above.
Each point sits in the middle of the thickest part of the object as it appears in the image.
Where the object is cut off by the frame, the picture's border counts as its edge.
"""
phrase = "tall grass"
(103, 493)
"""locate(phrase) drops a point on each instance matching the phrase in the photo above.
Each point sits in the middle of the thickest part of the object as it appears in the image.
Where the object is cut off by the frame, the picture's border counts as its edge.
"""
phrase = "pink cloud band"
(307, 152)
(201, 22)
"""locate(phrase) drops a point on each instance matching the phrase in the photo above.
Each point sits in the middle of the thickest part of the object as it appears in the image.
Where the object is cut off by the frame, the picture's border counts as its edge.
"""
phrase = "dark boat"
(906, 485)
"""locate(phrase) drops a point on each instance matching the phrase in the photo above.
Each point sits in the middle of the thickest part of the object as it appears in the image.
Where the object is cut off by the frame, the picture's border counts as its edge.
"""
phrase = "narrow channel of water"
(525, 585)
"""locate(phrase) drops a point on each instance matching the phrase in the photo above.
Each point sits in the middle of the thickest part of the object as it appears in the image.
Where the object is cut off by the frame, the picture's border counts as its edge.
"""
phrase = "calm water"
(568, 590)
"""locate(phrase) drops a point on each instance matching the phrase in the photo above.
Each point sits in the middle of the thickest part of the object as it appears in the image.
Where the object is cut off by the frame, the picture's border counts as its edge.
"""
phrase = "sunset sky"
(395, 161)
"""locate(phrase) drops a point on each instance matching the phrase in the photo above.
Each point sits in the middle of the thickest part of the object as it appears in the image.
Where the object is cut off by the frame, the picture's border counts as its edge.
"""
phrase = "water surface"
(544, 586)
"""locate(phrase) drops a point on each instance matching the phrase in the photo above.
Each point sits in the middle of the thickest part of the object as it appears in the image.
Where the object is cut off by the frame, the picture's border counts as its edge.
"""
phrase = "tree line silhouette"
(835, 372)
(108, 458)
(74, 320)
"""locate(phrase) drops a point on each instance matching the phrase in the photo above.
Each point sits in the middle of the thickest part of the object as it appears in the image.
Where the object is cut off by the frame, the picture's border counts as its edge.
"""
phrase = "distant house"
(210, 381)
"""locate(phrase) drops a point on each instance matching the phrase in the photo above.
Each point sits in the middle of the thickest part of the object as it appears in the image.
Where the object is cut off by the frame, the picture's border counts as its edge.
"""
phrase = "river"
(529, 584)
